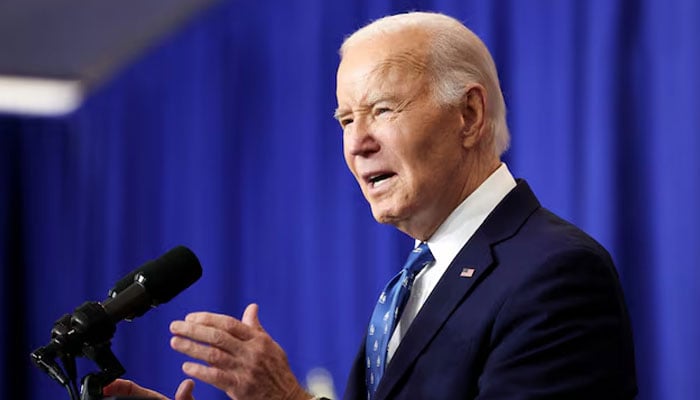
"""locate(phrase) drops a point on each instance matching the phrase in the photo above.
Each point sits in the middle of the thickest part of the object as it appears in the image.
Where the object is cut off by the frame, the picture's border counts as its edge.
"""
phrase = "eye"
(345, 122)
(381, 110)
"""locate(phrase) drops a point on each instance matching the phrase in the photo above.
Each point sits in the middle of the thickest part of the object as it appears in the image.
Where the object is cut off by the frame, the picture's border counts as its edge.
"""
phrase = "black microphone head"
(170, 274)
(126, 281)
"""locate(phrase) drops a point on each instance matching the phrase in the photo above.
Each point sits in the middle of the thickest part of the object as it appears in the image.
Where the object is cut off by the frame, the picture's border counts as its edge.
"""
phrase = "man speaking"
(499, 299)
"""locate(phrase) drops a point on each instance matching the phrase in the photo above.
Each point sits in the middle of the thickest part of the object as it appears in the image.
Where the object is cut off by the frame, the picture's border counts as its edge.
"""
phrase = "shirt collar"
(463, 222)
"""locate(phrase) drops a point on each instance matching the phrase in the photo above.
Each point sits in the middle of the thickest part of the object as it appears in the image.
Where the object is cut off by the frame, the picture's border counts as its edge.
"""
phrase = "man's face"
(404, 149)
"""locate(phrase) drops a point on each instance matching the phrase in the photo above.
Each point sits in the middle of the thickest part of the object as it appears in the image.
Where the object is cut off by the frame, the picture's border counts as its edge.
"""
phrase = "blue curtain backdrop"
(221, 138)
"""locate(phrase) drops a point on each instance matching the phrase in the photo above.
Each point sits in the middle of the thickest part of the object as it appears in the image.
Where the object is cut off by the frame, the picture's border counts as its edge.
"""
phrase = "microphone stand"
(110, 369)
(45, 359)
(67, 348)
(89, 330)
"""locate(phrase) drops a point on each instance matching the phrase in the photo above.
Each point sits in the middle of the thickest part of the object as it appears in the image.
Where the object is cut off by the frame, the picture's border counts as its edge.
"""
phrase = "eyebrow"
(372, 100)
(414, 62)
(339, 113)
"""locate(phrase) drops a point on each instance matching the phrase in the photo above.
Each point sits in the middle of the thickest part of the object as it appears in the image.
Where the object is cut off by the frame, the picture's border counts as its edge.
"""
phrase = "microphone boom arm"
(110, 369)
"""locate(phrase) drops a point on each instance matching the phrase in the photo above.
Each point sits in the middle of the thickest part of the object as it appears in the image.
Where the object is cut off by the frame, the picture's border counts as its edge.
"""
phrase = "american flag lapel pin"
(466, 273)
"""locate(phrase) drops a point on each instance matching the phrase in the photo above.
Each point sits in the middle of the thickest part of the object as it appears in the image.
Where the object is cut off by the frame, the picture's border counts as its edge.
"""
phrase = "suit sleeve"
(562, 333)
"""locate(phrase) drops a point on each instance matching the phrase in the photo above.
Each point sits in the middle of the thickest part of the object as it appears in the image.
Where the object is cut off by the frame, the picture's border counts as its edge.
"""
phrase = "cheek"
(347, 157)
(350, 163)
(433, 164)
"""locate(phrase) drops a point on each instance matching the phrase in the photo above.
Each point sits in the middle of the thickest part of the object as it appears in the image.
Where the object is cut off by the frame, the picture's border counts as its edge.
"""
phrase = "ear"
(474, 115)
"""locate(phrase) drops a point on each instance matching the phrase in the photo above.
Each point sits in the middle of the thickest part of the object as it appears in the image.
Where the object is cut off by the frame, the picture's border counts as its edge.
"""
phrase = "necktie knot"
(419, 258)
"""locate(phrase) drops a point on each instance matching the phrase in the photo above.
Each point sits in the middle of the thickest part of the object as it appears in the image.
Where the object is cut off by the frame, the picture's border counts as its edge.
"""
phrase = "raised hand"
(123, 387)
(239, 356)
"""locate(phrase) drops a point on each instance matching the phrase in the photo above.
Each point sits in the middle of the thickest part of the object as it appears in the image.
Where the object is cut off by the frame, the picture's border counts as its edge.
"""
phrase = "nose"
(359, 139)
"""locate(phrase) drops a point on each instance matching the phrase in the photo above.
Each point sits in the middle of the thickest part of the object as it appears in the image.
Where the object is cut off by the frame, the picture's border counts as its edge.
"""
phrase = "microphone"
(153, 283)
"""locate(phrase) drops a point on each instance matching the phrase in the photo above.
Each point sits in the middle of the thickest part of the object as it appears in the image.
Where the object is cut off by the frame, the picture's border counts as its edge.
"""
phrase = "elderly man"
(500, 299)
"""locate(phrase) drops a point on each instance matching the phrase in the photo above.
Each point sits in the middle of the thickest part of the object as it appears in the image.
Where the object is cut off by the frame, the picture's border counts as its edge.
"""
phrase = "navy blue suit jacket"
(542, 317)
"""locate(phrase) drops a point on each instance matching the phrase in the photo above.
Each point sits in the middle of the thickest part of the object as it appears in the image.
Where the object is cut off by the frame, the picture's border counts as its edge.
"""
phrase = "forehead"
(382, 61)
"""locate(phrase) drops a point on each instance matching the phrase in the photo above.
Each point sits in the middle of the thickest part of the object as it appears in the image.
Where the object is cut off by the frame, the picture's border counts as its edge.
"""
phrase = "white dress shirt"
(448, 240)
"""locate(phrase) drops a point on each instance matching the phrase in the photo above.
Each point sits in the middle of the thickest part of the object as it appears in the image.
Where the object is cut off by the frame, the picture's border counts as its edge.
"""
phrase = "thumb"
(250, 317)
(122, 387)
(184, 391)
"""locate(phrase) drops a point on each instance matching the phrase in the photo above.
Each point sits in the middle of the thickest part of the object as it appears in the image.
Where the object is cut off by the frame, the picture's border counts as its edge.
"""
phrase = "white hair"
(457, 57)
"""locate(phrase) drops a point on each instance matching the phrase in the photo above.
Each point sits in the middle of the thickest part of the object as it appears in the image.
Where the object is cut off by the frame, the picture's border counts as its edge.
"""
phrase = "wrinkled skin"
(237, 356)
(415, 160)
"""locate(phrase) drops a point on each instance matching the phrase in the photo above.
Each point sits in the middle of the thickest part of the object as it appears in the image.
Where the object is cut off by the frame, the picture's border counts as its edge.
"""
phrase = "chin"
(381, 216)
(388, 217)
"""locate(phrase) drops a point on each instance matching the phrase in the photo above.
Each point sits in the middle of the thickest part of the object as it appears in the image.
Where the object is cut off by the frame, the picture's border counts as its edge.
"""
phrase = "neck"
(422, 227)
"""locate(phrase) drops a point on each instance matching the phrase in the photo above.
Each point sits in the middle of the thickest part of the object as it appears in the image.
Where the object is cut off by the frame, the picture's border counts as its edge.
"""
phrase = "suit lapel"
(356, 387)
(464, 273)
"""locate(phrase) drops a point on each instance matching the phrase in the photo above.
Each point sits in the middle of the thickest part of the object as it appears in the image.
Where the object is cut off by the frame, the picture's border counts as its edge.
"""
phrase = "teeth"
(378, 180)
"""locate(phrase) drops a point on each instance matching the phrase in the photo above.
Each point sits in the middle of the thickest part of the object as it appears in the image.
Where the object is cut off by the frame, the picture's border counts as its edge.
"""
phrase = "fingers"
(126, 388)
(212, 375)
(184, 391)
(250, 317)
(122, 387)
(226, 323)
(213, 338)
(219, 354)
(237, 356)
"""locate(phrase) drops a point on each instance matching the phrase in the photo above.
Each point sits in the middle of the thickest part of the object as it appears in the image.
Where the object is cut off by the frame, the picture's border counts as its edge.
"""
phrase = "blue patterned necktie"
(387, 312)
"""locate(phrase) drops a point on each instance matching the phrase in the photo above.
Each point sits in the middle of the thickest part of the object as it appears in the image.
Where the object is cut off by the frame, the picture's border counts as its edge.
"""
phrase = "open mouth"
(379, 179)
